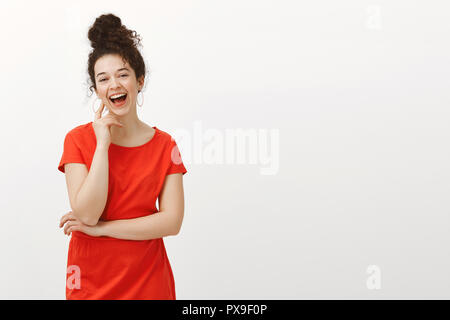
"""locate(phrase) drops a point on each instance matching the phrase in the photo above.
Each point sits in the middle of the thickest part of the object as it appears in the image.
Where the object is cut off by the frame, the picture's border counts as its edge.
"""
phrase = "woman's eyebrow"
(116, 71)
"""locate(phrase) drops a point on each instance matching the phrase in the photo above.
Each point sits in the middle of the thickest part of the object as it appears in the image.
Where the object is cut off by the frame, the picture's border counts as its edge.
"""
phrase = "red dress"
(109, 268)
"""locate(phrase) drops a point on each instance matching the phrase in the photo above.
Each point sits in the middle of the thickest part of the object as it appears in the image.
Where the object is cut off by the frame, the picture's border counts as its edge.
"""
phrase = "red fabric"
(112, 268)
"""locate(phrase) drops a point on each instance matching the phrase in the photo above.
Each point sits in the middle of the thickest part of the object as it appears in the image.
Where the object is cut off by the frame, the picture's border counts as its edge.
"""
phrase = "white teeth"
(117, 96)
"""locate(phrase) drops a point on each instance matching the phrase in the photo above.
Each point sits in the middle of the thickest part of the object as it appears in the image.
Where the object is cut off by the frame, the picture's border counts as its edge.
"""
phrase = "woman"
(116, 167)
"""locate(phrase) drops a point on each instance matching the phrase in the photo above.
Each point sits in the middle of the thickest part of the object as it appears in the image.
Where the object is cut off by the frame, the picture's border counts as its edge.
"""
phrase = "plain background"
(357, 89)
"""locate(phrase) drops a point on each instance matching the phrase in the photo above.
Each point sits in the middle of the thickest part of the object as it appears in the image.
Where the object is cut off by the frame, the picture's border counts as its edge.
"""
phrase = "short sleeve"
(71, 153)
(176, 163)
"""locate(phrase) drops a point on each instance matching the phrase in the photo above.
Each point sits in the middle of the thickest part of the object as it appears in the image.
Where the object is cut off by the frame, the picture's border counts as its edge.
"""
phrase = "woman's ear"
(140, 83)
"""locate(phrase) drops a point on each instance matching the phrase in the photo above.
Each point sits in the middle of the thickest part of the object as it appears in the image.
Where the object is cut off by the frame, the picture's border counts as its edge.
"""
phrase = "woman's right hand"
(102, 126)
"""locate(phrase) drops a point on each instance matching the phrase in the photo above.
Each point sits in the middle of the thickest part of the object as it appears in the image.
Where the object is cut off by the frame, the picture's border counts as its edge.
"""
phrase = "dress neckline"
(135, 147)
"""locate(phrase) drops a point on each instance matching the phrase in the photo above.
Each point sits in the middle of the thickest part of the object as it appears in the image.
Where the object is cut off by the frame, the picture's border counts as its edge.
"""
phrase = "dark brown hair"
(109, 36)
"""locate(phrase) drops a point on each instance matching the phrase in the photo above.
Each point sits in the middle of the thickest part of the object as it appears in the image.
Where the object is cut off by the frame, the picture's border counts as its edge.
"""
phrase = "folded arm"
(88, 190)
(167, 221)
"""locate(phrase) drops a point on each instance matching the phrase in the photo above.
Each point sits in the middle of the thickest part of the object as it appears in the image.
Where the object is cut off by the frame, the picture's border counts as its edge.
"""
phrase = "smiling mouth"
(122, 98)
(118, 100)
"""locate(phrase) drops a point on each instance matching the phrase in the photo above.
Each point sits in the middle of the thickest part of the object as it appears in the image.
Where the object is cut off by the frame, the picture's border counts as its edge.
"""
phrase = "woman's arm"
(90, 200)
(167, 221)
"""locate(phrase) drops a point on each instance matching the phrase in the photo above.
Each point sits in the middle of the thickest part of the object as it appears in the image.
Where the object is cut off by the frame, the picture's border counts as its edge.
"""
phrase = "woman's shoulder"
(81, 129)
(164, 135)
(83, 133)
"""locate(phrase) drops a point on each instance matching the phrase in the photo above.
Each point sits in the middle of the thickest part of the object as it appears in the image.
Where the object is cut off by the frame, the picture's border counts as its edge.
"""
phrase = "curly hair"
(109, 36)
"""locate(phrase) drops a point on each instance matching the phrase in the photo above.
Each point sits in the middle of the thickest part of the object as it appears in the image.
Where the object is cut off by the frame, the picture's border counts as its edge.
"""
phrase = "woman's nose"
(114, 83)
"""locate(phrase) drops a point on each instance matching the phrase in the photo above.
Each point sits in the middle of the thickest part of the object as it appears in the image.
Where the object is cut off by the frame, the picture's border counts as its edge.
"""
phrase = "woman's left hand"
(73, 224)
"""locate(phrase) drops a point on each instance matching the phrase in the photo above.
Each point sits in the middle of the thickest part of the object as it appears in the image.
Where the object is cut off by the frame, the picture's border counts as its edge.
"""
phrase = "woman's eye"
(125, 75)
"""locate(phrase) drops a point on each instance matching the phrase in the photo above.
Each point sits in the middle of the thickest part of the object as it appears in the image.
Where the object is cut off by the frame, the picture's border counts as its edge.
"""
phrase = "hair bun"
(109, 36)
(106, 29)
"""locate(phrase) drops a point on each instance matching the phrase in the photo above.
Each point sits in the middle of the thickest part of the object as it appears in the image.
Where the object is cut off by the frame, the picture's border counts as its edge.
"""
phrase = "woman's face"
(112, 77)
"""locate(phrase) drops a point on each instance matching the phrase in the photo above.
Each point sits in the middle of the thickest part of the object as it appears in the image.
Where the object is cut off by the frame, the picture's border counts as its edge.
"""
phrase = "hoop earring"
(94, 103)
(140, 104)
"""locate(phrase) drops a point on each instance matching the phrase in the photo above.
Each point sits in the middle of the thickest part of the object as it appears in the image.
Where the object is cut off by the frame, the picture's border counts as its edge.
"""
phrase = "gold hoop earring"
(140, 104)
(99, 107)
(94, 103)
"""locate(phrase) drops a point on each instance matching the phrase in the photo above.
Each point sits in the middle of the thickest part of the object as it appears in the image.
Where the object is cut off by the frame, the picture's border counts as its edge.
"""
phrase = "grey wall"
(341, 113)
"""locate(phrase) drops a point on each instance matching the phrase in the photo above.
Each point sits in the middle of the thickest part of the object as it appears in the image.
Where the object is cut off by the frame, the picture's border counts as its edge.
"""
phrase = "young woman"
(116, 167)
